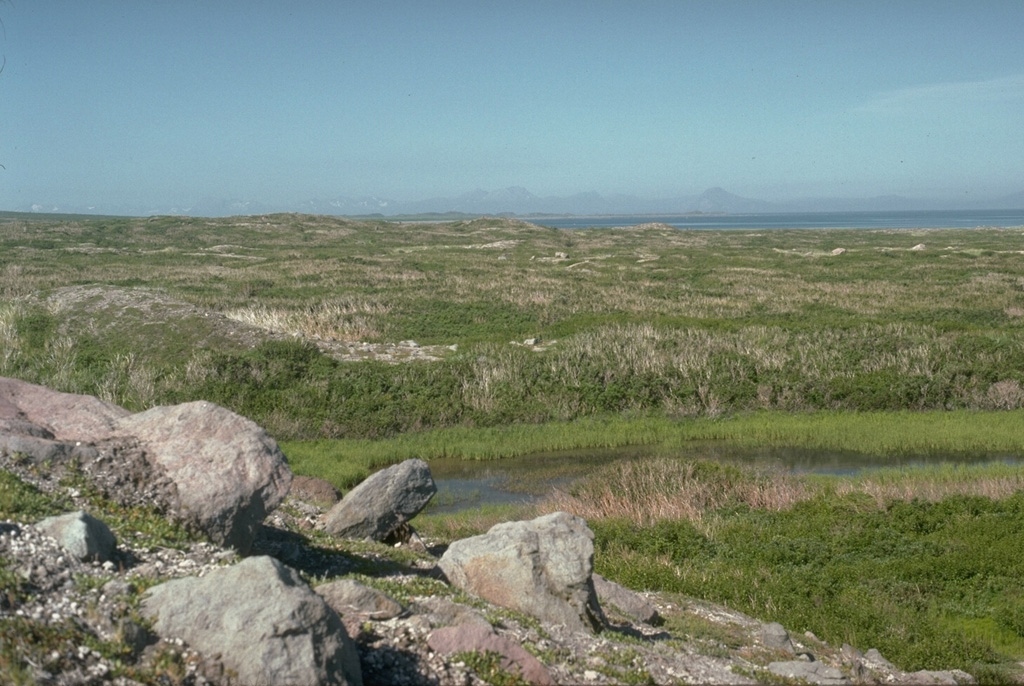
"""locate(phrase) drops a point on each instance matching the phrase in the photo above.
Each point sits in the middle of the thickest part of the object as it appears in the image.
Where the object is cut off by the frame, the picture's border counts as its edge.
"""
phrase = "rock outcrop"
(228, 472)
(29, 409)
(541, 567)
(809, 672)
(206, 466)
(627, 601)
(269, 627)
(383, 502)
(69, 616)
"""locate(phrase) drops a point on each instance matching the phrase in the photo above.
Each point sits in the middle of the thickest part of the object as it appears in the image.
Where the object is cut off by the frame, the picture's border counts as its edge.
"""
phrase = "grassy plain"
(265, 314)
(888, 342)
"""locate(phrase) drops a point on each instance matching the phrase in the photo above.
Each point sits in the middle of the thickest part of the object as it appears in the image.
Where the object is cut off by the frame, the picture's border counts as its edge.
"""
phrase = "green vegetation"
(23, 500)
(487, 666)
(666, 339)
(923, 564)
(265, 315)
(929, 584)
(345, 462)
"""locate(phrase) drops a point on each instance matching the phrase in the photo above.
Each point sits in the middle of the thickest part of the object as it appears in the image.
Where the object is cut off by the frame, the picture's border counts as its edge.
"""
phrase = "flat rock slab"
(811, 672)
(541, 567)
(348, 597)
(383, 502)
(472, 638)
(268, 626)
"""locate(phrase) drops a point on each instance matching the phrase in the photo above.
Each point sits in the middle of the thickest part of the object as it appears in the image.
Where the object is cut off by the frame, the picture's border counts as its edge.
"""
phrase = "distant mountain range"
(516, 200)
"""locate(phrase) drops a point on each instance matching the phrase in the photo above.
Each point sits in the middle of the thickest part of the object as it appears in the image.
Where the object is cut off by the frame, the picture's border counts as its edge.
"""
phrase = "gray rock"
(266, 624)
(81, 534)
(627, 601)
(382, 502)
(811, 672)
(474, 638)
(228, 472)
(36, 449)
(349, 597)
(875, 658)
(927, 677)
(775, 636)
(540, 567)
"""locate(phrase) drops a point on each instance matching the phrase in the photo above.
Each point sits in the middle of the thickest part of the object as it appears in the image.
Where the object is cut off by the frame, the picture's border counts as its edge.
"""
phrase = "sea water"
(924, 219)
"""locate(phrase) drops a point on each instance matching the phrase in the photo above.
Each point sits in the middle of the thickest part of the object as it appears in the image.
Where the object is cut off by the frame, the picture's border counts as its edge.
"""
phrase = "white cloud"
(956, 94)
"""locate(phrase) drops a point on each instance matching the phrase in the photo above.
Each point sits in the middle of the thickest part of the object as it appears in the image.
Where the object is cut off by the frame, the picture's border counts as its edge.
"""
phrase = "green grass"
(659, 338)
(931, 585)
(20, 500)
(147, 311)
(897, 434)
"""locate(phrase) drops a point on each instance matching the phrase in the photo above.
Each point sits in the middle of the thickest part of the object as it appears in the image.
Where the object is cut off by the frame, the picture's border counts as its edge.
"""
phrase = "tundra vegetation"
(362, 343)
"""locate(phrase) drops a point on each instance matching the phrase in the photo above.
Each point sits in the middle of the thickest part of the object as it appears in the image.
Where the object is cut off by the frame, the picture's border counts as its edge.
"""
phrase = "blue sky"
(163, 102)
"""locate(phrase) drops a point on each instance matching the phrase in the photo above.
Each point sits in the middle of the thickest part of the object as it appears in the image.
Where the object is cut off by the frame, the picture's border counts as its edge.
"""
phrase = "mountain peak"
(718, 199)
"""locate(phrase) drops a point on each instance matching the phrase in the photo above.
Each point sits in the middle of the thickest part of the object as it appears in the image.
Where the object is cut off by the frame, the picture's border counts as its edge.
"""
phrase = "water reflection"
(463, 484)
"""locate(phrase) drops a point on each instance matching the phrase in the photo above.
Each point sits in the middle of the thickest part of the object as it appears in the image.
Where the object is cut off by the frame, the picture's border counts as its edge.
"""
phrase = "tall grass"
(923, 563)
(646, 321)
(652, 490)
(334, 320)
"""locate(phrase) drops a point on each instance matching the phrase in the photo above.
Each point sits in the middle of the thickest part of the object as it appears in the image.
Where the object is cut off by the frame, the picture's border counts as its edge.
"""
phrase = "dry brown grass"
(650, 490)
(646, 491)
(932, 489)
(340, 320)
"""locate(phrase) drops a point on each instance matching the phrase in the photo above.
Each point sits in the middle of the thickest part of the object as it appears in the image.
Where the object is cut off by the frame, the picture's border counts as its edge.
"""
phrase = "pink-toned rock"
(314, 490)
(228, 472)
(467, 638)
(65, 416)
(205, 465)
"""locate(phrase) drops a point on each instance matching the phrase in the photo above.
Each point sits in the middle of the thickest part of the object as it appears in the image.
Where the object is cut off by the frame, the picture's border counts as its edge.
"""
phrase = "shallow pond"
(463, 484)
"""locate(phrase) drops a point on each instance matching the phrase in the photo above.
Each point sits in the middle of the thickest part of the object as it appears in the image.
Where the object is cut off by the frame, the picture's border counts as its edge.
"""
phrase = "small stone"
(775, 636)
(81, 534)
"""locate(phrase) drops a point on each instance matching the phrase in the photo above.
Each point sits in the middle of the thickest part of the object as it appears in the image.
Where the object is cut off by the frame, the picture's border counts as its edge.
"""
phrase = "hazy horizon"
(173, 104)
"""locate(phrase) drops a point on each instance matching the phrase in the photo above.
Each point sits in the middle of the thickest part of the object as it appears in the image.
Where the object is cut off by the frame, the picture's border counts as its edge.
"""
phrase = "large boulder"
(541, 567)
(268, 626)
(206, 466)
(383, 502)
(228, 472)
